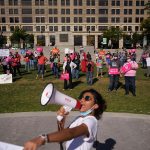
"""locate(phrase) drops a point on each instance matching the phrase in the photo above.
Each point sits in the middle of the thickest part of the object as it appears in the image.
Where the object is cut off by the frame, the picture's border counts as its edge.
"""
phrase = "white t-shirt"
(83, 142)
(148, 61)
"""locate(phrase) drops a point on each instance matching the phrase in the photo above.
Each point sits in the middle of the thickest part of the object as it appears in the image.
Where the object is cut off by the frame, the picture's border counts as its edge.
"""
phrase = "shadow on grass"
(76, 83)
(95, 80)
(108, 145)
(25, 73)
(82, 74)
(47, 75)
(104, 73)
(121, 85)
(16, 78)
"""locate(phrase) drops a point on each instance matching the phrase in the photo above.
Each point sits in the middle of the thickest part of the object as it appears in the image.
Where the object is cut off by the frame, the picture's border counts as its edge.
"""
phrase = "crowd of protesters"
(74, 63)
(118, 64)
(11, 64)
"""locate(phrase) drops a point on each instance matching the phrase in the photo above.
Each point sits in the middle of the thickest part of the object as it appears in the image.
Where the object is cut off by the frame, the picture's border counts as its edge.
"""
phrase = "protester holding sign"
(129, 75)
(114, 73)
(55, 50)
(67, 68)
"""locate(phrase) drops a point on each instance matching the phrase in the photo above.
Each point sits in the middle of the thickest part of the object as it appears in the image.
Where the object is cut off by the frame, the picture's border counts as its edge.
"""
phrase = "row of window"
(68, 28)
(75, 11)
(75, 2)
(76, 20)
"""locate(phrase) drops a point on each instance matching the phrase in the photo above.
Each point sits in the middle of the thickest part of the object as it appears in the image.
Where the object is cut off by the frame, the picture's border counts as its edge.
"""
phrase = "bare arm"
(60, 136)
(68, 134)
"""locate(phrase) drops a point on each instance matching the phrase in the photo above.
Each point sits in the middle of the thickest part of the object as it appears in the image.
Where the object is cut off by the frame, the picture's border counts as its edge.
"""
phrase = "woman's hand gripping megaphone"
(61, 115)
(63, 111)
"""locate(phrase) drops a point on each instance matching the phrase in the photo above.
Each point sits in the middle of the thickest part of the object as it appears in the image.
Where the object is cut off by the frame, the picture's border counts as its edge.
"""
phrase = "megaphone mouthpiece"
(78, 105)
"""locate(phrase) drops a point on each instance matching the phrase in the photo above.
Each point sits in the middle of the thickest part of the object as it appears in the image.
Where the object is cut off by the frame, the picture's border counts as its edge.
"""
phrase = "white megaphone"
(52, 96)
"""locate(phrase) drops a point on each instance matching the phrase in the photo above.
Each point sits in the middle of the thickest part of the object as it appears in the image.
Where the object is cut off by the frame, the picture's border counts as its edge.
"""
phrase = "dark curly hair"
(98, 100)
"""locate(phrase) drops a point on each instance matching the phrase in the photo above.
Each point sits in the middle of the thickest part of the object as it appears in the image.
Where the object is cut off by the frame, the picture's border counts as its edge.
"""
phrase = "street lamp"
(131, 36)
(89, 31)
(88, 36)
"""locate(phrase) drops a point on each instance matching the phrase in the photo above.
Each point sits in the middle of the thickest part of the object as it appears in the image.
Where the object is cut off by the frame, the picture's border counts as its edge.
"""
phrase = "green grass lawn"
(23, 95)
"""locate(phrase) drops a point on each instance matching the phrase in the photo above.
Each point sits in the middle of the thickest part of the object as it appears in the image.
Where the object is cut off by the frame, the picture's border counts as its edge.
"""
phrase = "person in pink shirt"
(130, 77)
(114, 73)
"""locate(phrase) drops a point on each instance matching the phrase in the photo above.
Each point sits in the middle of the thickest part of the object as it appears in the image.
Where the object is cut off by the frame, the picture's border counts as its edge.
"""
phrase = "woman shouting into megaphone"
(81, 133)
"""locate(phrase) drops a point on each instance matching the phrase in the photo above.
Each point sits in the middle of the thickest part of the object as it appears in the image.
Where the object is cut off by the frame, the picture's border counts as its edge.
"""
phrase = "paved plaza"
(118, 131)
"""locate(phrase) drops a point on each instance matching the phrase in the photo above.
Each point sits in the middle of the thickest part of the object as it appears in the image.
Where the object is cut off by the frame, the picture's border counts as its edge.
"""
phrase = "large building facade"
(71, 22)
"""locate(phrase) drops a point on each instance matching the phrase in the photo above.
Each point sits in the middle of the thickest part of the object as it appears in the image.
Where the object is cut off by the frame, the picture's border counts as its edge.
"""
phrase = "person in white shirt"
(68, 67)
(148, 65)
(81, 133)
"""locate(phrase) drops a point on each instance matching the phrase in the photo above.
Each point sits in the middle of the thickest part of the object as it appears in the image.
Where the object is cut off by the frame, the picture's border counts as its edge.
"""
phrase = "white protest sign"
(5, 78)
(71, 50)
(104, 40)
(8, 146)
(66, 50)
(4, 52)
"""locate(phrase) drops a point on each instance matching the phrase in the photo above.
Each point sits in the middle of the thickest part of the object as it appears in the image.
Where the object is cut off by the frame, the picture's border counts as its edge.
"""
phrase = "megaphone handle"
(59, 118)
(59, 129)
(67, 109)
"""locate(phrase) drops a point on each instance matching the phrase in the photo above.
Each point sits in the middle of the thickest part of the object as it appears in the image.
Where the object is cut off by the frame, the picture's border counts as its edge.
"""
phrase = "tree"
(3, 39)
(147, 7)
(146, 26)
(136, 38)
(29, 39)
(18, 36)
(114, 35)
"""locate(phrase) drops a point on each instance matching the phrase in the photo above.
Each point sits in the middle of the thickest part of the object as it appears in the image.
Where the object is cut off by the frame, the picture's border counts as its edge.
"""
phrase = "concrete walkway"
(118, 131)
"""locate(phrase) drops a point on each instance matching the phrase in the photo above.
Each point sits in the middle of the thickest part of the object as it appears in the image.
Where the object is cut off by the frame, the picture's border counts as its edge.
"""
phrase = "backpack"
(89, 66)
